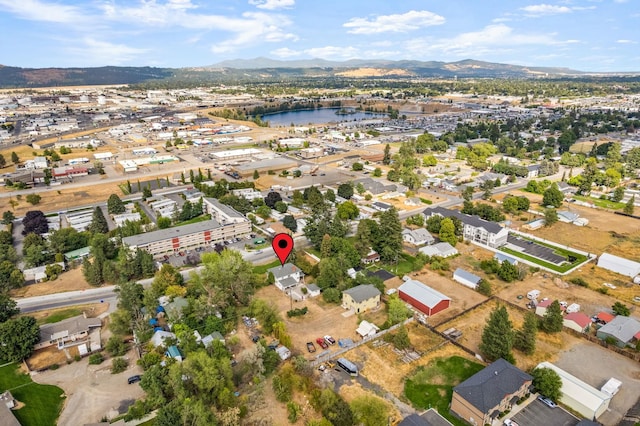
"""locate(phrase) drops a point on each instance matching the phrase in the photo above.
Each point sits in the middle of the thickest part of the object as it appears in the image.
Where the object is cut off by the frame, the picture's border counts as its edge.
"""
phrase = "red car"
(322, 343)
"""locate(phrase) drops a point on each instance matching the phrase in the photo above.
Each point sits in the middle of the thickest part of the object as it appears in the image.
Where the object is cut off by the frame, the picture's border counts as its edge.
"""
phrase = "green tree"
(345, 191)
(618, 194)
(370, 410)
(620, 309)
(508, 272)
(348, 210)
(164, 222)
(115, 205)
(115, 346)
(290, 223)
(264, 212)
(484, 287)
(525, 338)
(552, 196)
(389, 242)
(552, 319)
(8, 307)
(3, 161)
(497, 336)
(398, 310)
(334, 408)
(377, 172)
(401, 338)
(630, 206)
(146, 193)
(256, 175)
(33, 199)
(18, 337)
(8, 217)
(10, 276)
(98, 222)
(329, 195)
(386, 160)
(467, 193)
(547, 382)
(448, 231)
(14, 158)
(281, 207)
(550, 217)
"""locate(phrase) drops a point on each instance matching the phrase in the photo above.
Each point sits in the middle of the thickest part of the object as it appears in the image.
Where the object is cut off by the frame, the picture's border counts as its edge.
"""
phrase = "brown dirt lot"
(322, 319)
(67, 281)
(472, 324)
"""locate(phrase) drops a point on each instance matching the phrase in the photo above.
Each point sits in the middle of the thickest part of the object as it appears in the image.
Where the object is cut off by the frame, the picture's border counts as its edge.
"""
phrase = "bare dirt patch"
(67, 281)
(45, 358)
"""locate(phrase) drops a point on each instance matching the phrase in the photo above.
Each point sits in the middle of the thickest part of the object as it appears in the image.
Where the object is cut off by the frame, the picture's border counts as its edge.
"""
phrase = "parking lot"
(536, 250)
(537, 414)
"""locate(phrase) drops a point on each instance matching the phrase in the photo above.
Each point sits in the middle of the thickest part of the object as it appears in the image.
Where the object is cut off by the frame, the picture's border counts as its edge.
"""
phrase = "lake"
(316, 116)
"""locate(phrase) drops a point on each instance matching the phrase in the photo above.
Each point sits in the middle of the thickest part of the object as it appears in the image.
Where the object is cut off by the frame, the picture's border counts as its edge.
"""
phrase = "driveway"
(595, 365)
(536, 414)
(92, 391)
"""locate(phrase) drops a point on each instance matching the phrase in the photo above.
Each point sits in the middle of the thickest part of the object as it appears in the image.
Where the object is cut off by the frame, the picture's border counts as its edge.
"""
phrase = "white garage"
(578, 395)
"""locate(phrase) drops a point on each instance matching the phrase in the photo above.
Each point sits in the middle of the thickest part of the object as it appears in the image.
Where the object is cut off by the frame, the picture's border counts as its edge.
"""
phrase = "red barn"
(423, 298)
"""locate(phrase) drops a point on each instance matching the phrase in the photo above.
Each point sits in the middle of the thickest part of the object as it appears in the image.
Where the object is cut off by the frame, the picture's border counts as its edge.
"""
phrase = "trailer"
(611, 387)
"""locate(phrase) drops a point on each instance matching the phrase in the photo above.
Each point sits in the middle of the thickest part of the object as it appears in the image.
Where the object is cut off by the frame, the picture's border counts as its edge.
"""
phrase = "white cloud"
(491, 39)
(285, 52)
(412, 20)
(98, 52)
(545, 9)
(500, 20)
(624, 41)
(620, 1)
(35, 10)
(272, 4)
(332, 52)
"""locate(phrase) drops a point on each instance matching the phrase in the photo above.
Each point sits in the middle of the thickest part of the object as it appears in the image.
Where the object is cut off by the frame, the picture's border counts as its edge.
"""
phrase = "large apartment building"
(474, 228)
(200, 234)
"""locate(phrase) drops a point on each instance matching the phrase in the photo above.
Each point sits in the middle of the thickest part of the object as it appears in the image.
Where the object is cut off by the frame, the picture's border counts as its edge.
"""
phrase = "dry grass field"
(67, 281)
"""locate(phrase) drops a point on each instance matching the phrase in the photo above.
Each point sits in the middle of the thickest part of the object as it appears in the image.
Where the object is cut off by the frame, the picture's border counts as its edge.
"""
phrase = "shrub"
(602, 290)
(579, 281)
(297, 312)
(115, 346)
(96, 359)
(118, 365)
(54, 367)
(77, 358)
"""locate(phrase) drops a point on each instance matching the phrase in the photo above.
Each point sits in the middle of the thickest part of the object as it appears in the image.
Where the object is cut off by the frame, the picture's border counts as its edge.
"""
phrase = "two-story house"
(474, 228)
(287, 276)
(482, 397)
(361, 298)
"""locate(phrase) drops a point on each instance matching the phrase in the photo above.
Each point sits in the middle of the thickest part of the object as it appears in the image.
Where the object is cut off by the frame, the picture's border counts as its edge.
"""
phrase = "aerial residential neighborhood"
(313, 242)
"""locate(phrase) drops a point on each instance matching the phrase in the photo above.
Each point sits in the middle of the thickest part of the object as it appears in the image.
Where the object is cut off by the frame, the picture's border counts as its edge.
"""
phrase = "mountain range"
(265, 69)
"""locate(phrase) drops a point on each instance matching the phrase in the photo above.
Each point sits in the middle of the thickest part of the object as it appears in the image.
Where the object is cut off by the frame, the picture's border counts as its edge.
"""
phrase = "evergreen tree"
(115, 205)
(497, 336)
(256, 175)
(386, 160)
(15, 158)
(618, 194)
(390, 237)
(552, 319)
(98, 222)
(525, 338)
(630, 207)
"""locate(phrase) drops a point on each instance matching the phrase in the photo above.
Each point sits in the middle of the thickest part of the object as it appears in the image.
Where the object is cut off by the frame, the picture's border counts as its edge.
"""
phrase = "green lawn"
(405, 265)
(447, 372)
(42, 402)
(262, 269)
(605, 204)
(60, 315)
(580, 258)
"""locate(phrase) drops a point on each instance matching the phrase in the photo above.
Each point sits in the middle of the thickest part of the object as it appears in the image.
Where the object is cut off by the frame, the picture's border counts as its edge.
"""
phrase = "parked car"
(134, 379)
(322, 343)
(330, 340)
(311, 347)
(509, 422)
(546, 401)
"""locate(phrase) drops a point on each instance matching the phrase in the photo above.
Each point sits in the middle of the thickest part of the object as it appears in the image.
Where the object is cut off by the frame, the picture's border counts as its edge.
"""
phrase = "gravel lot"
(92, 391)
(595, 365)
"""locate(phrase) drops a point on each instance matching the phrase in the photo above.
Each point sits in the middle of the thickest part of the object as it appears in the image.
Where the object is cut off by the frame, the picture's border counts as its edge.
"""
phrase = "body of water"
(316, 116)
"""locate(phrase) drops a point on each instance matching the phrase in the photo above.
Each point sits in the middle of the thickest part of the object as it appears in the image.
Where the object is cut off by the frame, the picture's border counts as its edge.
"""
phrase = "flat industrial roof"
(163, 234)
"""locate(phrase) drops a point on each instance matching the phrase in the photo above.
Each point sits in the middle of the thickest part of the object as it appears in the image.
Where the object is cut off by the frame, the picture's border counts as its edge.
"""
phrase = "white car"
(509, 422)
(611, 286)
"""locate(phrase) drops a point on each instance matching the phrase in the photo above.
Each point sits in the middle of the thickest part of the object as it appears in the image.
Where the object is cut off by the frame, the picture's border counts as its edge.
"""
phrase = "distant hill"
(264, 69)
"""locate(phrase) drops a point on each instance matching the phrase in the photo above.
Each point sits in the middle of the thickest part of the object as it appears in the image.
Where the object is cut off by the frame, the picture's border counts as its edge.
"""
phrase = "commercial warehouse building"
(578, 395)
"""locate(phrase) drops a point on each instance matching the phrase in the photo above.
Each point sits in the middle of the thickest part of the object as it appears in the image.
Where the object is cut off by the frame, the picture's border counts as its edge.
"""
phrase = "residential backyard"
(41, 404)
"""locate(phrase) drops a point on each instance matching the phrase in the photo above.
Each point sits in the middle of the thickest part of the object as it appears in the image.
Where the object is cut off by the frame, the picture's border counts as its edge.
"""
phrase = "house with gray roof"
(466, 278)
(624, 330)
(286, 276)
(418, 237)
(482, 397)
(429, 418)
(361, 298)
(75, 329)
(440, 249)
(475, 229)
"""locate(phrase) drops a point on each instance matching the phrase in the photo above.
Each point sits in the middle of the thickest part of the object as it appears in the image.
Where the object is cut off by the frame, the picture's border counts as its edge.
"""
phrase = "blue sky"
(589, 35)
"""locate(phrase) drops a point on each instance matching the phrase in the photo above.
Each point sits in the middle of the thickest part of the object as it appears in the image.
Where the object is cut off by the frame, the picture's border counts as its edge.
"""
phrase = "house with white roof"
(286, 276)
(619, 265)
(466, 278)
(475, 229)
(418, 237)
(440, 249)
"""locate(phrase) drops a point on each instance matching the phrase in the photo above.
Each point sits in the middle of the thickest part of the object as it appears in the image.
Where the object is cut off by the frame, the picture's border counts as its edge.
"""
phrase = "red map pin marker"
(283, 245)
